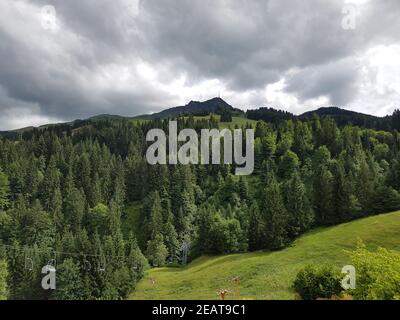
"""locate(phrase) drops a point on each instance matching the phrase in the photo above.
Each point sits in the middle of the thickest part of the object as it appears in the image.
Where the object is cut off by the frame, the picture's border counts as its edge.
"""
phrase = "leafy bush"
(3, 280)
(378, 274)
(316, 281)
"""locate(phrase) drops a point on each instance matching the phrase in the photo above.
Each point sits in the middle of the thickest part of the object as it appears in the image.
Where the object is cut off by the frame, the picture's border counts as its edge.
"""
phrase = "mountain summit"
(195, 107)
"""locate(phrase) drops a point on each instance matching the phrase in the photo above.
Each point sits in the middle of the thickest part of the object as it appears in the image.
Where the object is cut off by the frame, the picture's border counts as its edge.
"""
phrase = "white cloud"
(380, 82)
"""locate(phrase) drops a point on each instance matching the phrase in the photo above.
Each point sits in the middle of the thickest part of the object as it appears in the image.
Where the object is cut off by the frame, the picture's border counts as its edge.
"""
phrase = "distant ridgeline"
(219, 107)
(341, 116)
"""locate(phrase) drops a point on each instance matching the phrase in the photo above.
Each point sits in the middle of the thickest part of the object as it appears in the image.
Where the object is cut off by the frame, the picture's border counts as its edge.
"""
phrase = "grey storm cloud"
(337, 80)
(247, 45)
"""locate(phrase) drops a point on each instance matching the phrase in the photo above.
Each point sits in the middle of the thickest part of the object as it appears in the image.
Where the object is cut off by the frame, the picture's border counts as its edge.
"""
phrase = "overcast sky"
(131, 57)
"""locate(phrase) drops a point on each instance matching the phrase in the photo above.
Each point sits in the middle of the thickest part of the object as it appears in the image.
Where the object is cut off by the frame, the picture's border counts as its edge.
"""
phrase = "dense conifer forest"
(67, 192)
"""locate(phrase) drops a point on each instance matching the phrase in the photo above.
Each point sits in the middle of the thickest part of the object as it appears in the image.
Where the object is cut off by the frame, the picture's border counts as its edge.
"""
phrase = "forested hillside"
(66, 195)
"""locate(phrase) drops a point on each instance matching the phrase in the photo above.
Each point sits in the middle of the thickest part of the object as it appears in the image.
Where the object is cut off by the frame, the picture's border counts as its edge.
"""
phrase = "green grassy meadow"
(268, 275)
(236, 121)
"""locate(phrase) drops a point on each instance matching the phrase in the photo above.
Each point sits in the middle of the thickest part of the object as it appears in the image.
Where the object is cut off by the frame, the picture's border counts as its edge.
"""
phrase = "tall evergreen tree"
(256, 232)
(4, 190)
(157, 252)
(274, 216)
(323, 195)
(69, 282)
(345, 203)
(396, 120)
(298, 207)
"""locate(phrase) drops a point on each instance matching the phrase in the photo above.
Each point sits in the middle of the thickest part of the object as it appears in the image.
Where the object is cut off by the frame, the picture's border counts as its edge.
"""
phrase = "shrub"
(314, 281)
(3, 280)
(378, 274)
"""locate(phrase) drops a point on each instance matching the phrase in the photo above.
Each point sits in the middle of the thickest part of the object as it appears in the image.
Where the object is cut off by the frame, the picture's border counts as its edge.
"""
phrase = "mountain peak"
(211, 105)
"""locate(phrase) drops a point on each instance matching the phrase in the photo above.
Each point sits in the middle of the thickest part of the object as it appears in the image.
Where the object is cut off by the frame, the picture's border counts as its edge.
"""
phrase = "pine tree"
(268, 146)
(4, 190)
(136, 261)
(74, 208)
(323, 195)
(56, 209)
(99, 220)
(262, 129)
(50, 184)
(69, 282)
(256, 228)
(302, 144)
(157, 252)
(83, 174)
(385, 199)
(396, 120)
(119, 185)
(34, 177)
(96, 196)
(288, 164)
(365, 181)
(226, 116)
(300, 213)
(155, 221)
(171, 239)
(114, 218)
(15, 261)
(393, 177)
(243, 189)
(344, 202)
(274, 216)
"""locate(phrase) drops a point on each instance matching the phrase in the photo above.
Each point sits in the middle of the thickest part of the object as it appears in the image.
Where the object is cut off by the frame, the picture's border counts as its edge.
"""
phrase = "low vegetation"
(318, 281)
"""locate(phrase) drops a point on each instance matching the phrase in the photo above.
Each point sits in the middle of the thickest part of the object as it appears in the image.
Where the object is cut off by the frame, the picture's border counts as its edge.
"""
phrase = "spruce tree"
(69, 282)
(274, 216)
(396, 120)
(323, 195)
(157, 252)
(300, 212)
(344, 202)
(256, 232)
(4, 190)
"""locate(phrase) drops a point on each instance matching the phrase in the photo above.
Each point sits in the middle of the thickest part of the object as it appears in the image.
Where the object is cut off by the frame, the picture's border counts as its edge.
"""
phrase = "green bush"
(3, 280)
(314, 281)
(378, 274)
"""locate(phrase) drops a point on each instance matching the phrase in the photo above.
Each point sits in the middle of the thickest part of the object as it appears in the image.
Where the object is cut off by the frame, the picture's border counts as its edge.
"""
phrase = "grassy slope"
(266, 275)
(239, 121)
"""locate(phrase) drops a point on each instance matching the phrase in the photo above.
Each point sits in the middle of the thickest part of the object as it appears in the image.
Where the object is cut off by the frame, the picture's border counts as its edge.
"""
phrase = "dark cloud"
(246, 45)
(337, 80)
(92, 64)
